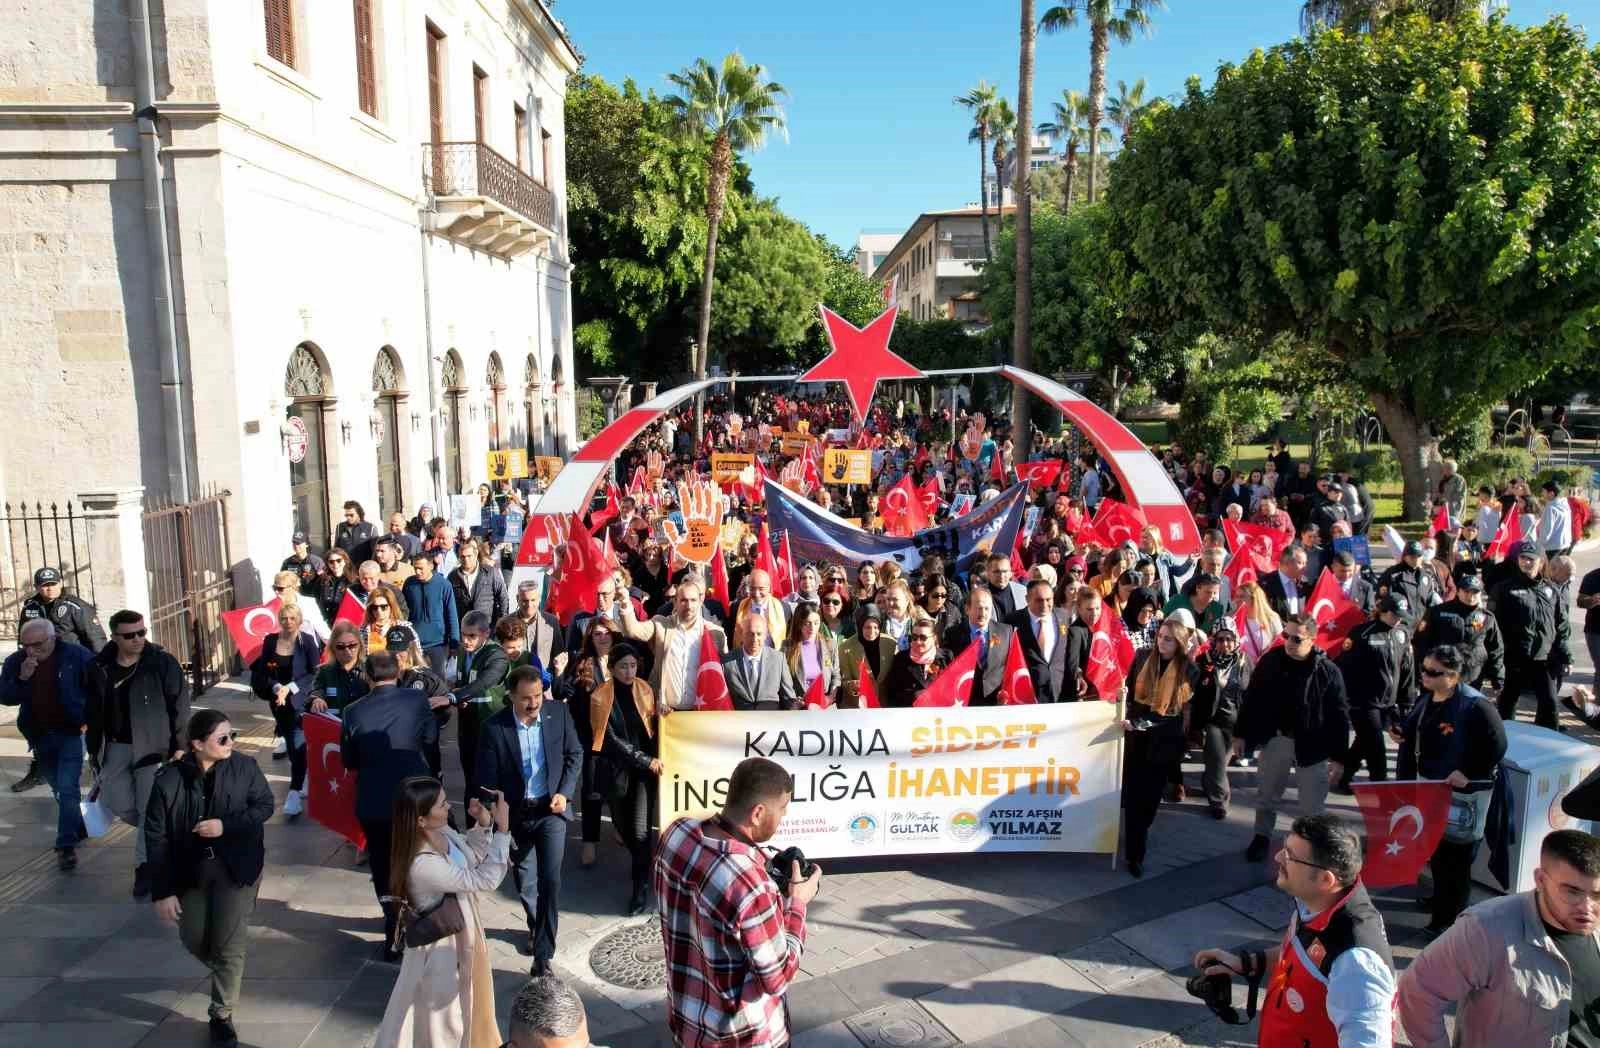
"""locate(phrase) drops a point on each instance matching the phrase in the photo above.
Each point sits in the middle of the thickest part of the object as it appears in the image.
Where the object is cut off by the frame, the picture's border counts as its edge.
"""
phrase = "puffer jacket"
(179, 800)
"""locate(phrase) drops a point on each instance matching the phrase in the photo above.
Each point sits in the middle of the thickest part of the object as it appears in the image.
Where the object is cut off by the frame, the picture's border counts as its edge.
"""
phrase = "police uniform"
(1380, 683)
(74, 619)
(402, 637)
(1417, 585)
(308, 568)
(1526, 610)
(1473, 630)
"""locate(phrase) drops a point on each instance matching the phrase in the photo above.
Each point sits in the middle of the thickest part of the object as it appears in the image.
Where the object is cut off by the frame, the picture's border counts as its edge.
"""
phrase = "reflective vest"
(1294, 1013)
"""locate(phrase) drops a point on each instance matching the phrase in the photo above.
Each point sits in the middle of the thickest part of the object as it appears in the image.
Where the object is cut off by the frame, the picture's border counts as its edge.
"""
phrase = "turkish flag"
(710, 682)
(612, 510)
(1441, 519)
(719, 579)
(786, 570)
(1268, 542)
(1118, 522)
(775, 568)
(1247, 565)
(540, 539)
(1335, 613)
(810, 471)
(582, 569)
(350, 610)
(930, 497)
(867, 688)
(249, 627)
(1404, 823)
(902, 509)
(953, 686)
(639, 485)
(1110, 654)
(997, 469)
(330, 789)
(1507, 536)
(1016, 687)
(816, 699)
(1039, 474)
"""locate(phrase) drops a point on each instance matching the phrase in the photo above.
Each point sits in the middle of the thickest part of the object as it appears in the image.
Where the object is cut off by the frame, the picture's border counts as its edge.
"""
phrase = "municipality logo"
(964, 825)
(863, 829)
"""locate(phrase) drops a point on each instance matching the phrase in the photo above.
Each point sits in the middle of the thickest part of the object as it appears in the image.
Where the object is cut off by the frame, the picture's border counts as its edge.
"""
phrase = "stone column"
(647, 391)
(116, 549)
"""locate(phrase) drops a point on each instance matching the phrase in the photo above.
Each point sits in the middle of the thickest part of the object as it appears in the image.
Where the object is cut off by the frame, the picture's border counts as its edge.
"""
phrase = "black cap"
(1526, 549)
(297, 538)
(1413, 548)
(1471, 582)
(1394, 603)
(46, 577)
(400, 637)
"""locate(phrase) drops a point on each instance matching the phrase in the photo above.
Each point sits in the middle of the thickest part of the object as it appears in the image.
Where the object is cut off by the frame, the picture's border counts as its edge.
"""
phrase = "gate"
(191, 583)
(37, 536)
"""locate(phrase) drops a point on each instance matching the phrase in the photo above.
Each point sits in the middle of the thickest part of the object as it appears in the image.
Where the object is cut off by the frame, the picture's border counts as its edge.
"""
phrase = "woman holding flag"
(811, 654)
(870, 650)
(1161, 682)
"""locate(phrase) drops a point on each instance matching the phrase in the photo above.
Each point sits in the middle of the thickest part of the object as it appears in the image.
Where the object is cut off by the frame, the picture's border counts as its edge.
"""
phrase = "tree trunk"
(983, 191)
(1415, 445)
(1117, 386)
(1022, 333)
(716, 189)
(1099, 47)
(1072, 176)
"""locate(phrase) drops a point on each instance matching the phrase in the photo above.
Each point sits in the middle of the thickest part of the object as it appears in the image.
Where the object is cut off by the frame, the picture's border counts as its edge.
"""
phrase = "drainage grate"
(631, 956)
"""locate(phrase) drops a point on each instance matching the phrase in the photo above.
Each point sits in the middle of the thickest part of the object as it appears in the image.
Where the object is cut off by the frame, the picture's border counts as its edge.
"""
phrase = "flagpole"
(1122, 737)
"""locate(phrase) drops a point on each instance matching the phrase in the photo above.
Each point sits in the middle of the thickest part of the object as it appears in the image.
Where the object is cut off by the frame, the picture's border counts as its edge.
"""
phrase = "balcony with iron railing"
(486, 201)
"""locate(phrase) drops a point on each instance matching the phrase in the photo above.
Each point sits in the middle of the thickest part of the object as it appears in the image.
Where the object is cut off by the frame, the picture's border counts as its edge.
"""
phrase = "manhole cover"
(631, 956)
(902, 1025)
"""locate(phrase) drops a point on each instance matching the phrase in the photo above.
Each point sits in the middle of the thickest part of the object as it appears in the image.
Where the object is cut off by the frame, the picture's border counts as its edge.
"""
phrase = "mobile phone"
(486, 796)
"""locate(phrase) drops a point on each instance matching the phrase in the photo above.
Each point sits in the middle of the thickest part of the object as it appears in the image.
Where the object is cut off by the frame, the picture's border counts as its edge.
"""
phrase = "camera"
(779, 862)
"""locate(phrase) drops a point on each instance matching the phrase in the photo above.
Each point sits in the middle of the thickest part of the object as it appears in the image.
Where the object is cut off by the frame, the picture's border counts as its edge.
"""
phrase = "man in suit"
(480, 680)
(541, 631)
(980, 626)
(1287, 588)
(758, 678)
(1009, 597)
(384, 738)
(1348, 574)
(1042, 629)
(530, 752)
(763, 603)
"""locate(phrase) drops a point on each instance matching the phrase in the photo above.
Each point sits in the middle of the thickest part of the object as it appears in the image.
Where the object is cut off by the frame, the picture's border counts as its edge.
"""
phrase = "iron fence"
(41, 535)
(189, 568)
(473, 169)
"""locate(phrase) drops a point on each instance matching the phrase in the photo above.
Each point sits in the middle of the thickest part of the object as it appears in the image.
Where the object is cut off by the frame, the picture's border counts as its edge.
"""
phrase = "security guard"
(303, 563)
(1380, 682)
(402, 642)
(1463, 623)
(1411, 580)
(1525, 606)
(75, 623)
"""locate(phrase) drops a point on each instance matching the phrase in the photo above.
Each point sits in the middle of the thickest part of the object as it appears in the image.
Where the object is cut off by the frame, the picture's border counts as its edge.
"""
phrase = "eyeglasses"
(1296, 638)
(352, 646)
(940, 594)
(226, 738)
(379, 604)
(1429, 671)
(135, 635)
(1285, 853)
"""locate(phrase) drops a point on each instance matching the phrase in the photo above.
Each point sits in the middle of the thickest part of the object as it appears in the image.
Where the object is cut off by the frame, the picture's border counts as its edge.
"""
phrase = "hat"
(1182, 618)
(1394, 603)
(1471, 583)
(297, 538)
(1526, 549)
(1075, 561)
(400, 636)
(871, 611)
(1413, 549)
(1225, 625)
(46, 577)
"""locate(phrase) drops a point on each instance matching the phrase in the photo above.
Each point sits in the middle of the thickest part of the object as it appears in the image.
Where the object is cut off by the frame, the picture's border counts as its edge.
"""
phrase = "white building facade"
(364, 211)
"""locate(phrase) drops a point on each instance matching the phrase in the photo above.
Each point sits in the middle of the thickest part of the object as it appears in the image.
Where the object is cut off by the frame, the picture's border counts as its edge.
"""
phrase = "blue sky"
(874, 138)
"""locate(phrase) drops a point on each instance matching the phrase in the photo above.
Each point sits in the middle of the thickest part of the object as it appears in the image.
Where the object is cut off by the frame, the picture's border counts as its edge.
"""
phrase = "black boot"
(141, 880)
(1258, 848)
(30, 780)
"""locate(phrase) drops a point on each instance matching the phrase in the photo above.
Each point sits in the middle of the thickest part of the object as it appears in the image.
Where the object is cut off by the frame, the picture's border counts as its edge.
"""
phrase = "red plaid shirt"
(733, 942)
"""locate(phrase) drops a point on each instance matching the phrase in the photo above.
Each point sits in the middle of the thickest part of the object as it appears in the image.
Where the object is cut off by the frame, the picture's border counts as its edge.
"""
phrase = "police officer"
(75, 623)
(1380, 682)
(1525, 606)
(402, 642)
(1411, 580)
(303, 563)
(1463, 623)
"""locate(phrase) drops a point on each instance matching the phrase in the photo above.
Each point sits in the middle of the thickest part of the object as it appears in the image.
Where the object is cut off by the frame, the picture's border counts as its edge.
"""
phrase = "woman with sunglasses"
(382, 613)
(342, 679)
(937, 603)
(338, 575)
(574, 683)
(204, 836)
(282, 676)
(1160, 684)
(836, 620)
(912, 670)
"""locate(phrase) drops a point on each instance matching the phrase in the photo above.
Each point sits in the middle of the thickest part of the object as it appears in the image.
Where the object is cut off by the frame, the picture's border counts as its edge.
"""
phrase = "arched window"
(306, 384)
(494, 377)
(388, 386)
(455, 404)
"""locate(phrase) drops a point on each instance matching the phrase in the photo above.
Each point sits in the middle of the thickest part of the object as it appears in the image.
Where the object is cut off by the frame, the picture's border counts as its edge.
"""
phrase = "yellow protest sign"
(725, 467)
(547, 466)
(795, 443)
(846, 466)
(509, 464)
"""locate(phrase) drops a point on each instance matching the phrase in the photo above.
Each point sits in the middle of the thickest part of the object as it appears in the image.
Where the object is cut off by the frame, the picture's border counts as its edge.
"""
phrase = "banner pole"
(1121, 739)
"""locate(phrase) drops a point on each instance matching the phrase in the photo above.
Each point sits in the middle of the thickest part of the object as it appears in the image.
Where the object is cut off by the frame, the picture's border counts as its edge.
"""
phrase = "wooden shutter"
(435, 84)
(480, 104)
(280, 30)
(521, 116)
(366, 48)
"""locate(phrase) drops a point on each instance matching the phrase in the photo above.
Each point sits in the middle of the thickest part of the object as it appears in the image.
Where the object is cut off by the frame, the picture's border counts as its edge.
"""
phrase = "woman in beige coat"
(444, 997)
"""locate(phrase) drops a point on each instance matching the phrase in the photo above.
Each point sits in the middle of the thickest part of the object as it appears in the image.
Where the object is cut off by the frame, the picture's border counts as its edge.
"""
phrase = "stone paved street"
(1001, 949)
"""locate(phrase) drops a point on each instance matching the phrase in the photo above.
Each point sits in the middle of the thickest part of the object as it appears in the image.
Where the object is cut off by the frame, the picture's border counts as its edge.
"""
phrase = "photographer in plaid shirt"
(733, 940)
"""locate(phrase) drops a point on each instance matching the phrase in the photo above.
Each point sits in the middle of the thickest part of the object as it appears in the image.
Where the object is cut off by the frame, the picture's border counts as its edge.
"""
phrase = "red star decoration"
(860, 358)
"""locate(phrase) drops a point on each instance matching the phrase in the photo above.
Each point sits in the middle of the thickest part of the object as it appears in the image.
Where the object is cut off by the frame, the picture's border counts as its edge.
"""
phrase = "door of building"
(308, 478)
(390, 495)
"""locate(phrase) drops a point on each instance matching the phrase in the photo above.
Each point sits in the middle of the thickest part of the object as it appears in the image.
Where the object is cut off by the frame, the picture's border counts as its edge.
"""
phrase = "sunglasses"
(353, 646)
(833, 602)
(279, 589)
(135, 635)
(379, 604)
(941, 594)
(1429, 671)
(226, 738)
(1295, 638)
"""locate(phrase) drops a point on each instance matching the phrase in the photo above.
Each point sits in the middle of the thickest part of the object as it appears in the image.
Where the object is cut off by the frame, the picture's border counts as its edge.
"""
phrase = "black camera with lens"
(1216, 991)
(778, 866)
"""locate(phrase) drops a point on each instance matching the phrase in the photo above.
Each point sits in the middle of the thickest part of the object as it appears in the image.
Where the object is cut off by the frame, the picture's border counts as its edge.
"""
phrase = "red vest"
(1294, 1011)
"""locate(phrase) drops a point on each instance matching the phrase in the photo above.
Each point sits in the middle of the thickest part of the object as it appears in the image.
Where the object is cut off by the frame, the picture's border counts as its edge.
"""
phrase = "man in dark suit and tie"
(1009, 595)
(758, 678)
(1287, 588)
(1348, 573)
(1042, 629)
(530, 752)
(980, 626)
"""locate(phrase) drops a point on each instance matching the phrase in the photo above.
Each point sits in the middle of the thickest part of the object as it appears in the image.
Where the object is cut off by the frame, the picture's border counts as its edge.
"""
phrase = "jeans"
(1524, 676)
(287, 720)
(61, 765)
(1311, 780)
(378, 838)
(1452, 880)
(1368, 747)
(1217, 745)
(538, 842)
(438, 657)
(215, 928)
(125, 790)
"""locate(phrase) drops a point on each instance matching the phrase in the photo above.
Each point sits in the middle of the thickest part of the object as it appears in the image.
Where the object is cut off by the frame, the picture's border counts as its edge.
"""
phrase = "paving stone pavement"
(1014, 950)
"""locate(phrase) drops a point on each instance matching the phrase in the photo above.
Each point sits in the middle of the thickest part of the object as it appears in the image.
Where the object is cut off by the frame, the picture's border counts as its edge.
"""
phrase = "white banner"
(910, 781)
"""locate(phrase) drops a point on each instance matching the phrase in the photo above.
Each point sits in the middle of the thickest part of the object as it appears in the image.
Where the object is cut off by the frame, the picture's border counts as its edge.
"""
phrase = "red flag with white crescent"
(952, 687)
(1110, 654)
(1335, 613)
(249, 627)
(351, 609)
(816, 698)
(1267, 542)
(710, 682)
(1507, 536)
(1016, 687)
(902, 510)
(866, 687)
(929, 493)
(1405, 821)
(1039, 474)
(330, 789)
(1247, 565)
(1118, 522)
(581, 569)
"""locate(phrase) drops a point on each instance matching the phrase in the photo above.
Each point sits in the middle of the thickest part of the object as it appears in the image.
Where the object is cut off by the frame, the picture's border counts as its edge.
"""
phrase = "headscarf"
(1138, 600)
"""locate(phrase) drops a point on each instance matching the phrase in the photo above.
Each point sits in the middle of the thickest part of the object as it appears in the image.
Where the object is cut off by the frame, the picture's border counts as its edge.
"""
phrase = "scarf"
(926, 661)
(1162, 685)
(870, 651)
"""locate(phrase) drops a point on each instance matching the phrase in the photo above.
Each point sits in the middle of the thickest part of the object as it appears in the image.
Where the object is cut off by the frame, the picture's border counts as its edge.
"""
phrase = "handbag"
(97, 818)
(1469, 815)
(424, 929)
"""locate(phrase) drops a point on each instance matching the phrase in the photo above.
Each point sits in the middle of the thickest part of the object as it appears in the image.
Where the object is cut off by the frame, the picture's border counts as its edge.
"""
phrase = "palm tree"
(1107, 19)
(1123, 110)
(1004, 135)
(735, 106)
(1022, 333)
(1363, 16)
(980, 102)
(1071, 127)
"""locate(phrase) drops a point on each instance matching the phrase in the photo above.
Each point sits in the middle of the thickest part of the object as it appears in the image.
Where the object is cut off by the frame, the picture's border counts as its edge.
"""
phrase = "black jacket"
(1473, 630)
(74, 619)
(1418, 585)
(1526, 611)
(986, 688)
(906, 679)
(356, 539)
(179, 800)
(158, 704)
(500, 755)
(1054, 679)
(1302, 699)
(1218, 694)
(1463, 733)
(306, 658)
(339, 687)
(1377, 670)
(382, 739)
(488, 593)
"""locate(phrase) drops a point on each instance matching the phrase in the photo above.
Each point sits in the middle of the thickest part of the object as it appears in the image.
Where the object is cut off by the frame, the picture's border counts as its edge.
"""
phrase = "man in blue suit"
(531, 753)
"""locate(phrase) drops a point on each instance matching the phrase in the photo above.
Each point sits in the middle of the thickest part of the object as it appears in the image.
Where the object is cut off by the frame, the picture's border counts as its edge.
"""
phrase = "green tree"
(846, 290)
(1422, 202)
(980, 102)
(1363, 16)
(1022, 346)
(1070, 125)
(1231, 395)
(1001, 137)
(734, 107)
(774, 274)
(1108, 20)
(1124, 109)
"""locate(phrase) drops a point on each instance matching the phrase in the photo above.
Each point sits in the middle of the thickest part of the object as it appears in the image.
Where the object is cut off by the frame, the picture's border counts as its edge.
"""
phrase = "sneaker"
(222, 1033)
(66, 859)
(28, 781)
(280, 749)
(1219, 812)
(294, 803)
(1258, 848)
(141, 880)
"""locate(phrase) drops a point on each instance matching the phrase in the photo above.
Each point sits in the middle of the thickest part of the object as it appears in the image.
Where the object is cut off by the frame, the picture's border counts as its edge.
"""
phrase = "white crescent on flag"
(897, 498)
(1410, 811)
(1100, 648)
(248, 622)
(1019, 678)
(1322, 619)
(1119, 528)
(964, 687)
